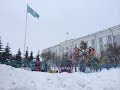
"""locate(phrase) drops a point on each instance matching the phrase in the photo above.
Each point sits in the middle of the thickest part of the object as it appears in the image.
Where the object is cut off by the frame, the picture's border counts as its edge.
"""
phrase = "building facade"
(99, 41)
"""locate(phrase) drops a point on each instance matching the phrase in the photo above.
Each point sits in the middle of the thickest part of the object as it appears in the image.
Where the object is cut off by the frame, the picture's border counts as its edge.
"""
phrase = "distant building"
(99, 41)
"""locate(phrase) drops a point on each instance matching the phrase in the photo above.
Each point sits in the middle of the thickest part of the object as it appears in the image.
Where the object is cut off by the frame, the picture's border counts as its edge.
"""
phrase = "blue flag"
(32, 12)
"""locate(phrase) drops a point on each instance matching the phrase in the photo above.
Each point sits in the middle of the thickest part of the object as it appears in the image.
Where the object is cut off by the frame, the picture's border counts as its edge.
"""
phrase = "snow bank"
(19, 79)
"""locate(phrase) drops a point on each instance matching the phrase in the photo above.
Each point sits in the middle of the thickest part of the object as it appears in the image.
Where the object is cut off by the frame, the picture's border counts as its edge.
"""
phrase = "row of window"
(93, 44)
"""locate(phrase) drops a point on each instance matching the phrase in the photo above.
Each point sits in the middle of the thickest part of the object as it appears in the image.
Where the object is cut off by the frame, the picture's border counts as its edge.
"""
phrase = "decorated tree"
(37, 66)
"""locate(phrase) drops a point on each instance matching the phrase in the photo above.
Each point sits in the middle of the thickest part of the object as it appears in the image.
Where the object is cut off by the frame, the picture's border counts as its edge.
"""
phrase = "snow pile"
(19, 79)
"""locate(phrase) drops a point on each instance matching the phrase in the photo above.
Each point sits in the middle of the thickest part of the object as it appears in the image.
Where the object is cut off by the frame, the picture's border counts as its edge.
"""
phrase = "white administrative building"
(99, 41)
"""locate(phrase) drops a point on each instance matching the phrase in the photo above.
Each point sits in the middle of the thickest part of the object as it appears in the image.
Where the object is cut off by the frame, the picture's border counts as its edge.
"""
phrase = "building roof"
(80, 38)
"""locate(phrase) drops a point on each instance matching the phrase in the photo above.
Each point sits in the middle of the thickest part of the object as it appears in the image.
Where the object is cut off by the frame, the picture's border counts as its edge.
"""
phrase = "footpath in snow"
(19, 79)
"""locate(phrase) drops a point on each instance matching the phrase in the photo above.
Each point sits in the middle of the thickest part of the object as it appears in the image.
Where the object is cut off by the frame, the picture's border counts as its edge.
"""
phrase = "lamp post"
(67, 35)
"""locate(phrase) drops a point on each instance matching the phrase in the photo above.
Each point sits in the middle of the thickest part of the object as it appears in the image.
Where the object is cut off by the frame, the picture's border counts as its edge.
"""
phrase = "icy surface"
(19, 79)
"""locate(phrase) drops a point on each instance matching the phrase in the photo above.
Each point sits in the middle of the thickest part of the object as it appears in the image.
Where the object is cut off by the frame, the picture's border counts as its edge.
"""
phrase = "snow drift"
(19, 79)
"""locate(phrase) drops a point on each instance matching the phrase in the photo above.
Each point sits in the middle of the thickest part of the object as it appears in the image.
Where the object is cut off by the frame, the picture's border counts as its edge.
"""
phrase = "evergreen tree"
(1, 50)
(26, 59)
(13, 57)
(31, 56)
(26, 54)
(38, 57)
(18, 55)
(7, 55)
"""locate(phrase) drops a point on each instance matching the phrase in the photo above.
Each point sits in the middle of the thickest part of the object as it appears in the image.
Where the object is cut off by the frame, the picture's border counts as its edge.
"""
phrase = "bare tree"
(112, 54)
(48, 56)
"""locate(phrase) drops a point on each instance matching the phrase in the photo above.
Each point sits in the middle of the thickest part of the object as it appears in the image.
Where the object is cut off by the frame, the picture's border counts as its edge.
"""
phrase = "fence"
(19, 64)
(81, 67)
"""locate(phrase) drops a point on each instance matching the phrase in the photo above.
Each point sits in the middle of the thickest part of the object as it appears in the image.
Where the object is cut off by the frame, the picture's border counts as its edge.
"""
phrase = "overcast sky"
(78, 17)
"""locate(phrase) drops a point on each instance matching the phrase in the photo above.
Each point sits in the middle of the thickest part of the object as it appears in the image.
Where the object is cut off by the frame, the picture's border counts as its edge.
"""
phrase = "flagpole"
(25, 31)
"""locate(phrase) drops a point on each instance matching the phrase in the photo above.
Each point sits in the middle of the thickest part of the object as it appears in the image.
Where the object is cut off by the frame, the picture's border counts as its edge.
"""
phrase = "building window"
(101, 44)
(86, 43)
(70, 46)
(59, 51)
(101, 48)
(63, 50)
(75, 45)
(93, 43)
(117, 39)
(67, 49)
(109, 41)
(100, 41)
(79, 44)
(56, 51)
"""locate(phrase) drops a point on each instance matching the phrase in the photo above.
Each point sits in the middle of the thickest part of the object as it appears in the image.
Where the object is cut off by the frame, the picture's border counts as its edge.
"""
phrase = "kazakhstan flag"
(32, 12)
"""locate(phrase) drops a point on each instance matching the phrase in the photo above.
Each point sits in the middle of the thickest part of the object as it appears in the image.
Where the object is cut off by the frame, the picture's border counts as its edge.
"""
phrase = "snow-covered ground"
(19, 79)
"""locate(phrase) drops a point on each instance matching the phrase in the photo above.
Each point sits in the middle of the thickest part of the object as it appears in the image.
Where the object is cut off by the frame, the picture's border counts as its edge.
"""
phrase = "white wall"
(101, 34)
